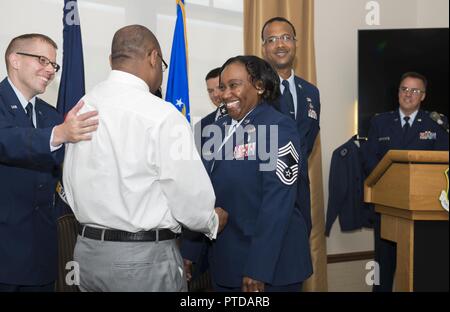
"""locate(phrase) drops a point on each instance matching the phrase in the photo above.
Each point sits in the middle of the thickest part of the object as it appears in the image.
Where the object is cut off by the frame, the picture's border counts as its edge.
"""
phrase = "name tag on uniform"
(427, 135)
(245, 150)
(384, 139)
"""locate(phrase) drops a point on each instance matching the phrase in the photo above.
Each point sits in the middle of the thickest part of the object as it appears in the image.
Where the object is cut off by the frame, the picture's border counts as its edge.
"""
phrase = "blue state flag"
(177, 91)
(72, 86)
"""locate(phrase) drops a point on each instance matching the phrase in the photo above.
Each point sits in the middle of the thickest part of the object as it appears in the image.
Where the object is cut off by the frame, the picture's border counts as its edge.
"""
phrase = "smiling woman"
(265, 245)
(244, 82)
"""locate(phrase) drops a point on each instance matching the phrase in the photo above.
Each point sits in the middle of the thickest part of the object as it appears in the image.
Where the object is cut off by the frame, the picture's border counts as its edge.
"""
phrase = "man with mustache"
(300, 99)
(31, 153)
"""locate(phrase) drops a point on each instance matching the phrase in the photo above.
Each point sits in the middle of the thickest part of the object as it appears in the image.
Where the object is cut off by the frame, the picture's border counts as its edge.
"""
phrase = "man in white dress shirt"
(130, 188)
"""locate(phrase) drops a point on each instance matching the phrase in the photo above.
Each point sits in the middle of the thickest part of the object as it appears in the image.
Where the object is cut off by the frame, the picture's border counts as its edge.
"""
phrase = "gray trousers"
(129, 266)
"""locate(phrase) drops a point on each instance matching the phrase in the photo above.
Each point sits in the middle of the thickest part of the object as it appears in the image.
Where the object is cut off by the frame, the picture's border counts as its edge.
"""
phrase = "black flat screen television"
(384, 55)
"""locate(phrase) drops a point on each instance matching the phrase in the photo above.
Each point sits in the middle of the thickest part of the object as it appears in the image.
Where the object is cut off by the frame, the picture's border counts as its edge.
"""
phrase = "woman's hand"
(251, 285)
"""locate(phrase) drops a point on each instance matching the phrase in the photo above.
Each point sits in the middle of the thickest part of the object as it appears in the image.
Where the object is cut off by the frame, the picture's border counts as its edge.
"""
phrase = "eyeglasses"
(284, 38)
(164, 64)
(44, 61)
(413, 91)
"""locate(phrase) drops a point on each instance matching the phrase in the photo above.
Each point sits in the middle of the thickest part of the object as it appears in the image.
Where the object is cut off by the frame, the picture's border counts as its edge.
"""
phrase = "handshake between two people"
(223, 218)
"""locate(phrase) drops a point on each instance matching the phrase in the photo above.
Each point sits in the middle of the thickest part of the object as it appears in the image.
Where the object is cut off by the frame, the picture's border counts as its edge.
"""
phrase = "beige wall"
(336, 27)
(432, 13)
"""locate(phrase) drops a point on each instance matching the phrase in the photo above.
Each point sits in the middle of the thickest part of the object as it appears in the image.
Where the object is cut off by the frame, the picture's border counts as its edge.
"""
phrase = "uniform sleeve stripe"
(288, 148)
(282, 165)
(287, 181)
(281, 154)
(287, 173)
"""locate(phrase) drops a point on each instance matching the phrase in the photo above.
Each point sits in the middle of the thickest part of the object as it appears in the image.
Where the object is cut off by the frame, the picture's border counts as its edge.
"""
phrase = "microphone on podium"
(438, 119)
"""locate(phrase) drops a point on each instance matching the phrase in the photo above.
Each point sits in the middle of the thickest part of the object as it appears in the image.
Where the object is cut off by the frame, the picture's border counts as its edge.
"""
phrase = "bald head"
(136, 50)
(132, 43)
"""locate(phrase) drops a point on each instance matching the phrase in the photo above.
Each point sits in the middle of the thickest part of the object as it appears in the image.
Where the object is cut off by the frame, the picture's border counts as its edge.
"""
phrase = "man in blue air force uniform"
(213, 89)
(408, 128)
(300, 99)
(31, 152)
(212, 80)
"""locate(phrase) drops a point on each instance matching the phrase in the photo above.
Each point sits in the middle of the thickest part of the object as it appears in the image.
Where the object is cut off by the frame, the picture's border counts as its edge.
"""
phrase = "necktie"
(406, 126)
(288, 101)
(29, 109)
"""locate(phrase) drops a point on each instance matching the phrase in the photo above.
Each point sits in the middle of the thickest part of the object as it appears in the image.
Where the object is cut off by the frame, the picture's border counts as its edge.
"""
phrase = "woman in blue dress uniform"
(254, 168)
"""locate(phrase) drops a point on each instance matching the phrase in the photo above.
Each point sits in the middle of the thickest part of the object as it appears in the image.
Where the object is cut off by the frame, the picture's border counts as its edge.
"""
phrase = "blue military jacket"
(28, 177)
(266, 237)
(308, 112)
(386, 134)
(307, 121)
(199, 126)
(346, 188)
(194, 246)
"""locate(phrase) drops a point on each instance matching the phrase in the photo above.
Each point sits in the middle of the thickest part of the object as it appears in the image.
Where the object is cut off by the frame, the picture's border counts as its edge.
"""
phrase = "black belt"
(123, 236)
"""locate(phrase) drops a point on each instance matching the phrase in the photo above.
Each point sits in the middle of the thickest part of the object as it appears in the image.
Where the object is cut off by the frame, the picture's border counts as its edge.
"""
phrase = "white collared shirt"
(130, 176)
(292, 88)
(23, 101)
(412, 117)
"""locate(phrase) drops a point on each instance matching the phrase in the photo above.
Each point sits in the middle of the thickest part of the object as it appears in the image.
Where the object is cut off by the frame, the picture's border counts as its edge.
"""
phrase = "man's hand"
(251, 285)
(223, 218)
(188, 269)
(75, 128)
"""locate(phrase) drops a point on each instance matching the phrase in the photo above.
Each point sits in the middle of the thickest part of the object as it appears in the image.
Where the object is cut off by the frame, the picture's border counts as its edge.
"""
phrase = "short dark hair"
(132, 42)
(277, 19)
(415, 75)
(20, 40)
(213, 73)
(259, 71)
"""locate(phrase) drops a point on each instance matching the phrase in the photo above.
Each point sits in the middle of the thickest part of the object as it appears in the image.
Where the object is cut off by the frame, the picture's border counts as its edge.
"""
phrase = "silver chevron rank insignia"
(287, 164)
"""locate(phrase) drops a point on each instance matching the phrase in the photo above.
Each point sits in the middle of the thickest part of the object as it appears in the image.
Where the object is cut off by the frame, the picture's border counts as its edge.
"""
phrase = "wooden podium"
(405, 188)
